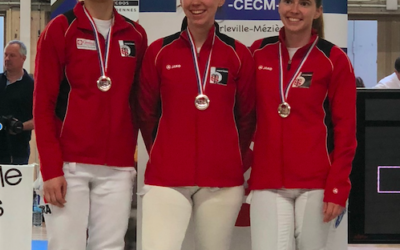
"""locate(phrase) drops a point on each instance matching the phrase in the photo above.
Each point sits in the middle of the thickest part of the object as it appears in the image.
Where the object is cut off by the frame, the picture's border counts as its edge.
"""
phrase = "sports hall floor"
(39, 242)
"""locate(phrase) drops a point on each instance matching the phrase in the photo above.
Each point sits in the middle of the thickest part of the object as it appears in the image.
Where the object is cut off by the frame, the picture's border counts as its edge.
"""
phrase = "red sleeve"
(49, 65)
(342, 99)
(140, 51)
(149, 94)
(245, 99)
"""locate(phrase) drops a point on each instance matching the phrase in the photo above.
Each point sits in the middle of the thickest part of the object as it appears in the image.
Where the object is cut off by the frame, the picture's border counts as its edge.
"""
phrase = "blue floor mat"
(39, 245)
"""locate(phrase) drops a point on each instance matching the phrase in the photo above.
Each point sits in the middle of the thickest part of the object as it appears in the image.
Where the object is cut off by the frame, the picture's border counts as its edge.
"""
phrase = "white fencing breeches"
(288, 219)
(98, 200)
(167, 212)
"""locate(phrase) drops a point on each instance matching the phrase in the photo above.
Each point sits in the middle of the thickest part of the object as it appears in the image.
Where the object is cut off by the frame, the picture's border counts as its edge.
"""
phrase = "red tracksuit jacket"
(314, 147)
(189, 147)
(74, 120)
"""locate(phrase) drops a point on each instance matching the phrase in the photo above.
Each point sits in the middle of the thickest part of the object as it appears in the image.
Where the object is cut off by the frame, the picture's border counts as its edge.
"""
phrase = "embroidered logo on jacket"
(176, 66)
(127, 48)
(219, 76)
(303, 81)
(85, 44)
(265, 68)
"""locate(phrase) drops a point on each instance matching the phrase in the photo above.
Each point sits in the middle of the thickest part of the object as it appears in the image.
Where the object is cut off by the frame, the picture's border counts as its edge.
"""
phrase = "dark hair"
(318, 24)
(397, 64)
(359, 82)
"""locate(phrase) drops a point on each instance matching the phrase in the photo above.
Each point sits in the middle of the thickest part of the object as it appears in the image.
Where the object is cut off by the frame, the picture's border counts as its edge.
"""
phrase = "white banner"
(128, 8)
(16, 198)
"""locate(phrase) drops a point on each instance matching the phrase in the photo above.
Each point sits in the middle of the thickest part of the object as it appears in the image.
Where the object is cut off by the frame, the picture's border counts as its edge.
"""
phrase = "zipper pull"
(289, 64)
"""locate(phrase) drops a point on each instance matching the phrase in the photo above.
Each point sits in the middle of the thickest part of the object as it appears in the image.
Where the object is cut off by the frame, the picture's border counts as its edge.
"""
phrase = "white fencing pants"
(167, 212)
(98, 199)
(288, 219)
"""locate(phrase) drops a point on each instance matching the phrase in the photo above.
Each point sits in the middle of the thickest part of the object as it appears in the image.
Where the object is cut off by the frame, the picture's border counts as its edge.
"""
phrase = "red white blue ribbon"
(201, 83)
(103, 59)
(284, 94)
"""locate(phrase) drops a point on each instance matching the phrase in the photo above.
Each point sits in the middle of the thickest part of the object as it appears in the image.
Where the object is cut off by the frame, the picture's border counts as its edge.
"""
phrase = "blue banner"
(335, 6)
(268, 9)
(157, 6)
(249, 10)
(62, 6)
(232, 9)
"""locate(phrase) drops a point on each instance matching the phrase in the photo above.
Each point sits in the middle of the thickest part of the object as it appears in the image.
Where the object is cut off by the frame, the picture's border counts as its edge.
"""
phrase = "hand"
(55, 190)
(10, 131)
(15, 126)
(331, 211)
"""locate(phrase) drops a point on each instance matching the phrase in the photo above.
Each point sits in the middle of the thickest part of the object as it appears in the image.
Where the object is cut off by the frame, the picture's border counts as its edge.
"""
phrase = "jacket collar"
(3, 79)
(314, 36)
(24, 75)
(84, 23)
(208, 42)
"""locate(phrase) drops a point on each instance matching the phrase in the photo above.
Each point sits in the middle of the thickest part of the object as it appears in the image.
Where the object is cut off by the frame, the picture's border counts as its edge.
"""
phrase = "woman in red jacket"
(305, 139)
(85, 125)
(197, 119)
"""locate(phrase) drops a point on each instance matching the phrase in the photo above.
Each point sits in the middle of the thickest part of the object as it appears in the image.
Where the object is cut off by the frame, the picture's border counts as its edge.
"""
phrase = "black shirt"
(16, 99)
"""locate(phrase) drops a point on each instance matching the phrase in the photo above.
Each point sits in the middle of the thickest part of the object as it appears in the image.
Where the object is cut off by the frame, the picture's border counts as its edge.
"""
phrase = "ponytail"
(318, 25)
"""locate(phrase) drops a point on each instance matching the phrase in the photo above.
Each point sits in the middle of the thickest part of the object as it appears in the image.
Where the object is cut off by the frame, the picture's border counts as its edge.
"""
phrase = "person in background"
(391, 81)
(16, 101)
(360, 82)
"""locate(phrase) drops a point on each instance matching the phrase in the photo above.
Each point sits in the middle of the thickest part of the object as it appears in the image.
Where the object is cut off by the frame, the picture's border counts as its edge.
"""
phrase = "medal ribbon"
(284, 94)
(102, 59)
(201, 88)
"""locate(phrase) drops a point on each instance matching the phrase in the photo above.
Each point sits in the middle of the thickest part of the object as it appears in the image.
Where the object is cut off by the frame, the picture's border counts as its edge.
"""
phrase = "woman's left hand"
(331, 211)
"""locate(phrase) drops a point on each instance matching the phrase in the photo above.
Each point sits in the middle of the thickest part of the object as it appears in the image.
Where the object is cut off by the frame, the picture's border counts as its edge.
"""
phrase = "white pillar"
(25, 30)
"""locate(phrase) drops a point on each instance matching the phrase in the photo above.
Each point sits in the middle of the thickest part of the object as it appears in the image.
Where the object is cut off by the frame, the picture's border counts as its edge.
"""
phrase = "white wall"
(363, 50)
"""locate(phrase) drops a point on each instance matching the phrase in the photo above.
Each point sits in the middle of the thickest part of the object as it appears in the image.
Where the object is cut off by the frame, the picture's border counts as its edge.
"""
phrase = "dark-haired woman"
(197, 116)
(305, 139)
(85, 77)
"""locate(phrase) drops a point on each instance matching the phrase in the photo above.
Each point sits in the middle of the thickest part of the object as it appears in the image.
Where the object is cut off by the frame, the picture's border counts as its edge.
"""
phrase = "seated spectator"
(392, 81)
